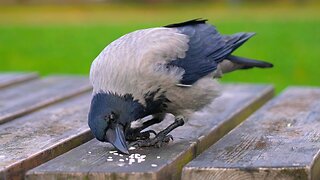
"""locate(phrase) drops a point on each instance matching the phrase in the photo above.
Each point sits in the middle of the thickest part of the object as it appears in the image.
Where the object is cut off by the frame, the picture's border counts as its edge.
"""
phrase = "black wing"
(207, 48)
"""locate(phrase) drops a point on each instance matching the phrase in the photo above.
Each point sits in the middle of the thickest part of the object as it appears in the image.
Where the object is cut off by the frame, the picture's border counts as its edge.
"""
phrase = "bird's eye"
(111, 117)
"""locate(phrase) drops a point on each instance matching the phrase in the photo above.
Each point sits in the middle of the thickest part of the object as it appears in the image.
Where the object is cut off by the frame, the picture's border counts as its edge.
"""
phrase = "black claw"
(135, 135)
(158, 145)
(161, 138)
(167, 138)
(153, 132)
(158, 141)
(137, 143)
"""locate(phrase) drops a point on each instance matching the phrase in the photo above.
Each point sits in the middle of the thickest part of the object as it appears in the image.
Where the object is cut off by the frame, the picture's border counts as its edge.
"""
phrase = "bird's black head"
(110, 115)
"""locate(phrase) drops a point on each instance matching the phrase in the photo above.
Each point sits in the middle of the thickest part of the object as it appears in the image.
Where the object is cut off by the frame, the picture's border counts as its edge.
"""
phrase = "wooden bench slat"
(8, 79)
(24, 98)
(280, 141)
(90, 160)
(42, 135)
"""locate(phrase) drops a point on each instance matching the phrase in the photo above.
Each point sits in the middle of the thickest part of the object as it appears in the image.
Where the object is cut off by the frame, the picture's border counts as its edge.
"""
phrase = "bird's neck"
(139, 110)
(131, 105)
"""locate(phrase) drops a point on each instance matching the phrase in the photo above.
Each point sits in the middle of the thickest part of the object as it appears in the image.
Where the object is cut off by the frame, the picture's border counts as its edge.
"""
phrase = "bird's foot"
(136, 135)
(158, 141)
(163, 137)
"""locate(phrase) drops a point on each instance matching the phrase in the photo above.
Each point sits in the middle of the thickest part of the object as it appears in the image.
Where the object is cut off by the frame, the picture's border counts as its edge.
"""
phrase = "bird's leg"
(162, 136)
(134, 134)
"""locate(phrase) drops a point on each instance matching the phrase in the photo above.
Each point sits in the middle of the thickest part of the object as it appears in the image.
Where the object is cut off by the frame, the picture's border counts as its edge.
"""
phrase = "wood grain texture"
(8, 79)
(27, 97)
(280, 141)
(89, 161)
(40, 136)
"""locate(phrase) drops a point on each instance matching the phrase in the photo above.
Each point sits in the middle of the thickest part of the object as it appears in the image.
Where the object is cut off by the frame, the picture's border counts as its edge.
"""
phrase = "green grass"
(51, 39)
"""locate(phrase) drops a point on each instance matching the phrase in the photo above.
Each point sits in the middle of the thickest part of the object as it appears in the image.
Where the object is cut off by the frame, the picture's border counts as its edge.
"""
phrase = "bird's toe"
(165, 140)
(135, 136)
(158, 141)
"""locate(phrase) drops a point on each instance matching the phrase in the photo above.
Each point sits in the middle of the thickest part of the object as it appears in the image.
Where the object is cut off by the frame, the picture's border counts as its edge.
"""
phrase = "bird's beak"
(116, 137)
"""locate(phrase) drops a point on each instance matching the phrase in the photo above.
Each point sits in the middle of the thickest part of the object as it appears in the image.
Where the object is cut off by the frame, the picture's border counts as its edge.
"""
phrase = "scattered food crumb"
(154, 165)
(136, 156)
(131, 161)
(121, 164)
(158, 157)
(133, 158)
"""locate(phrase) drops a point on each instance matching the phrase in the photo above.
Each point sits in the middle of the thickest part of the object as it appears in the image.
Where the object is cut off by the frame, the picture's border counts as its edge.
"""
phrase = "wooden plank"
(280, 141)
(7, 79)
(26, 97)
(40, 136)
(89, 161)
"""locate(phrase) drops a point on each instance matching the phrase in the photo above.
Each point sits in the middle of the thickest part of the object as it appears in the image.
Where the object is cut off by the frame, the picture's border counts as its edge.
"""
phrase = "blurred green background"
(64, 38)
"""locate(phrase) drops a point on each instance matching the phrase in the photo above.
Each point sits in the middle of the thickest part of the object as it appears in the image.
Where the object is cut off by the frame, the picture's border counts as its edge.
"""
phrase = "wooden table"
(44, 135)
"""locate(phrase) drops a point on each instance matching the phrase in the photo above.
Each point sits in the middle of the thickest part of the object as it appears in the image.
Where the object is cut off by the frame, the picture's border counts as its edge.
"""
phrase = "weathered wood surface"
(42, 135)
(26, 97)
(280, 141)
(7, 79)
(89, 161)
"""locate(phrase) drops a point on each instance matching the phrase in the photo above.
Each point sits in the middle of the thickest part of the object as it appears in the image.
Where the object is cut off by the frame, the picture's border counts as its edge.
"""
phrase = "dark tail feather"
(239, 38)
(249, 63)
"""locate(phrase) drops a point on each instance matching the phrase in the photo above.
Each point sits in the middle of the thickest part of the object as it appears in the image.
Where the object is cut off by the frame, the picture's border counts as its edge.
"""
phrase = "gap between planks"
(21, 99)
(9, 79)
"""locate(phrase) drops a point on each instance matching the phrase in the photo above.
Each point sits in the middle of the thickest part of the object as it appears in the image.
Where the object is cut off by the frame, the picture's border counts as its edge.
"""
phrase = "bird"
(173, 69)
